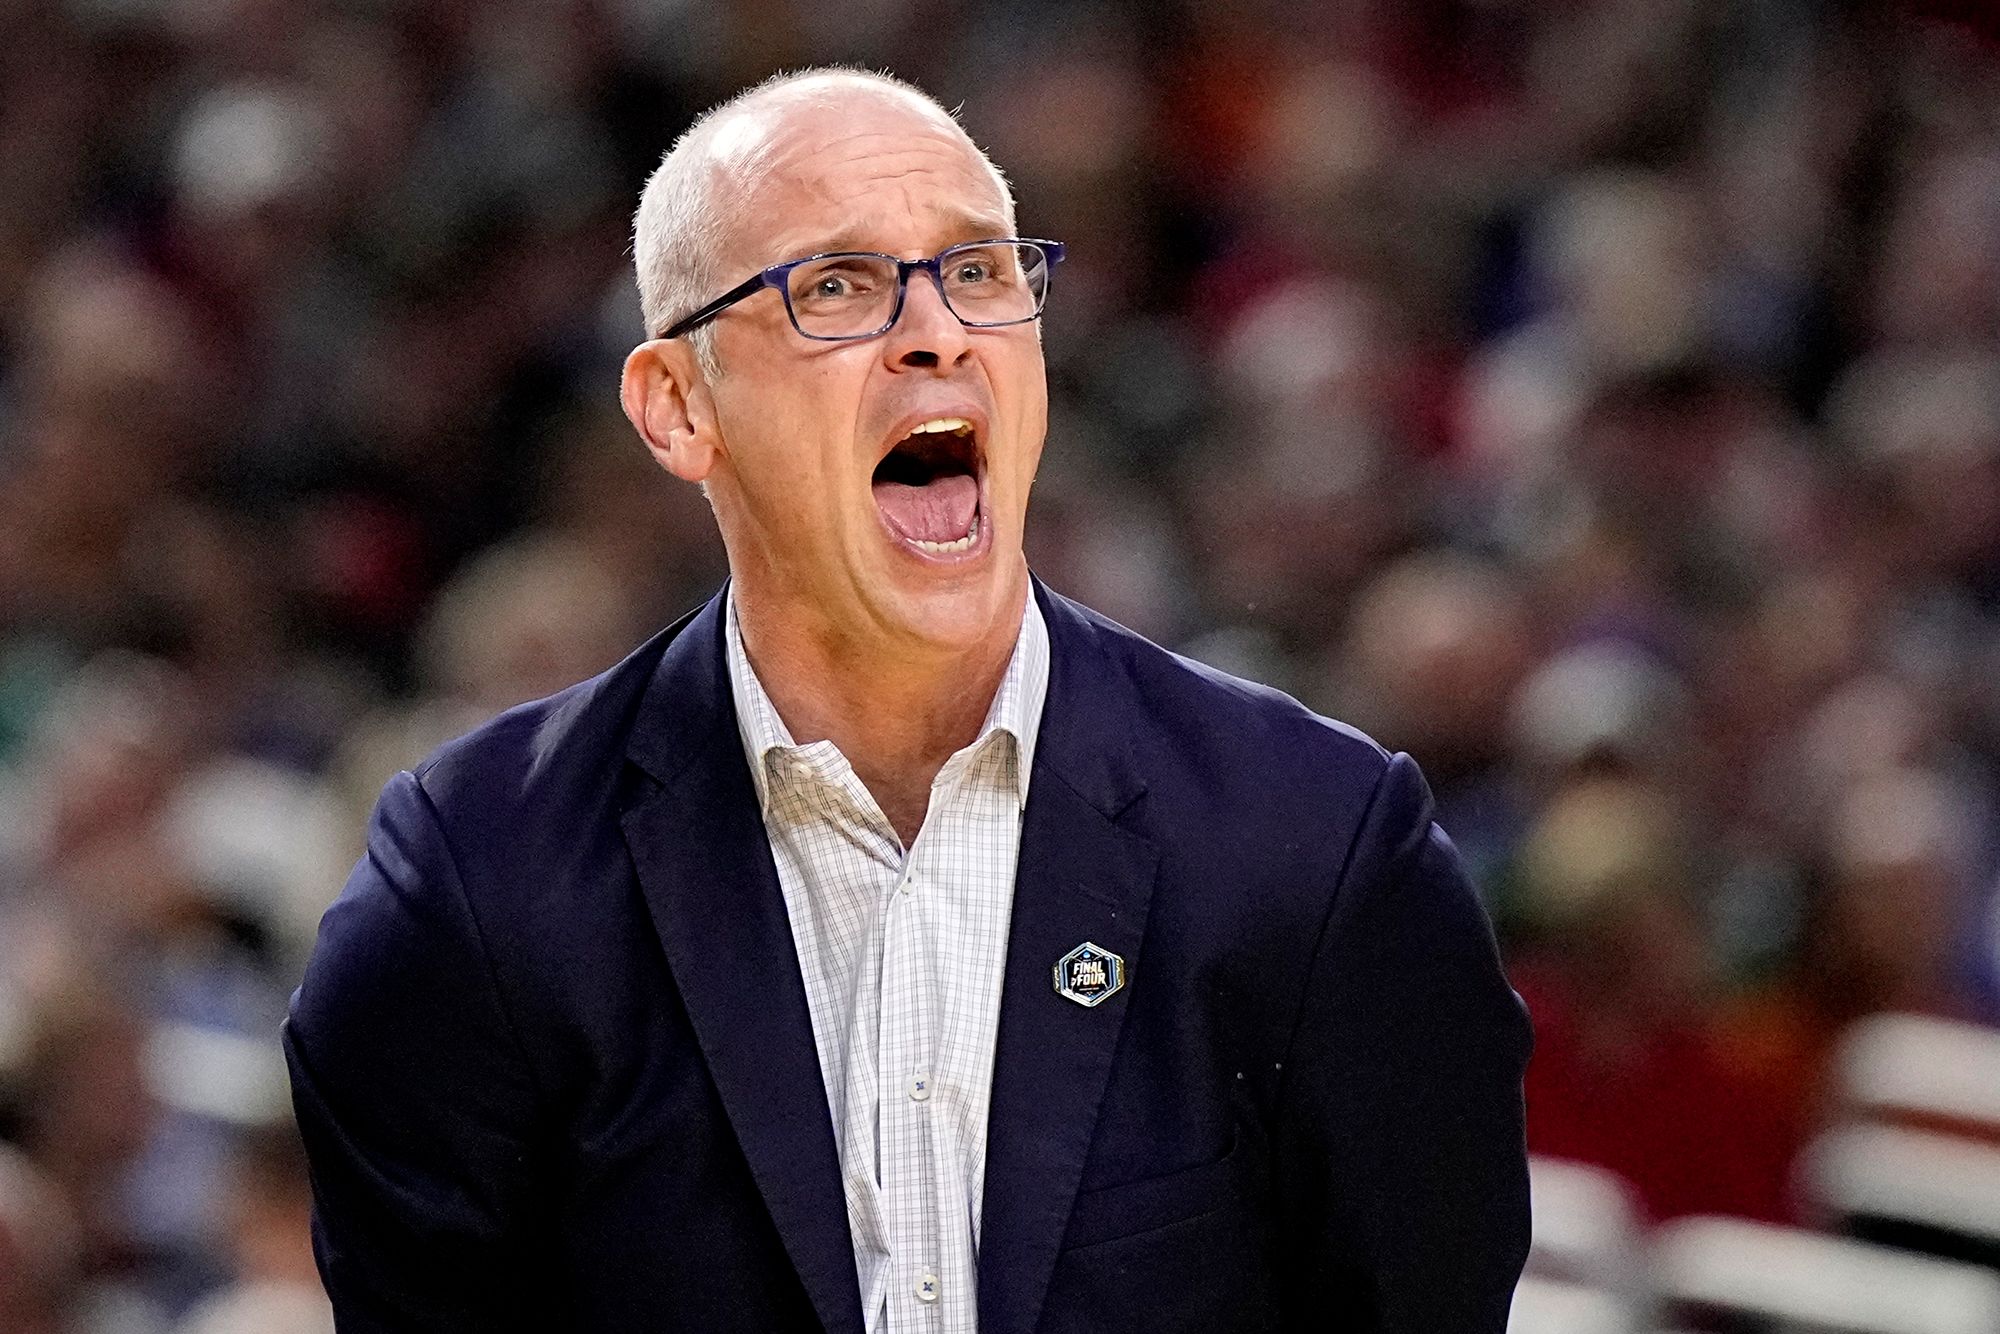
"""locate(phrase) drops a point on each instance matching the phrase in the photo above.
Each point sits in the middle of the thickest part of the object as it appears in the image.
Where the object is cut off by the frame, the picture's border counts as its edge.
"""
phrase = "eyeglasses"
(859, 293)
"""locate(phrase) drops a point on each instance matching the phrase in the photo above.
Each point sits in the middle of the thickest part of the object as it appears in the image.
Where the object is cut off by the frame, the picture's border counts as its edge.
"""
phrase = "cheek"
(789, 440)
(1032, 397)
(1028, 455)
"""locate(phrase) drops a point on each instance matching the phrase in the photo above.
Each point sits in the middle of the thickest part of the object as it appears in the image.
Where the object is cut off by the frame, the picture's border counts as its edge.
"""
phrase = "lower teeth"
(946, 548)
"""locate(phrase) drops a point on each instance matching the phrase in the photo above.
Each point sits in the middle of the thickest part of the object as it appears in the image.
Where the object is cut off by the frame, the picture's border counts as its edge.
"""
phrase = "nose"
(927, 336)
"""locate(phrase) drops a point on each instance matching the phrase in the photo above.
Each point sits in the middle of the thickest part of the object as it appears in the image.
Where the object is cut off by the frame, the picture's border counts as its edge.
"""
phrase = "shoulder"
(1254, 796)
(1189, 712)
(544, 761)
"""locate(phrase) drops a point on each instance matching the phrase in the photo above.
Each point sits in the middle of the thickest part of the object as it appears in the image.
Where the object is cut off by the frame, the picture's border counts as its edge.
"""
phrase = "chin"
(956, 614)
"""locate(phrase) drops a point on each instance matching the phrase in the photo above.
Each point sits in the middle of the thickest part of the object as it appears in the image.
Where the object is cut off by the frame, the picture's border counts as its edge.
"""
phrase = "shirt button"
(909, 885)
(920, 1086)
(927, 1288)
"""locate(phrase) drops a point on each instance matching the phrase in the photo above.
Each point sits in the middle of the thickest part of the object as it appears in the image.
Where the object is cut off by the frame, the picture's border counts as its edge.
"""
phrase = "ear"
(669, 404)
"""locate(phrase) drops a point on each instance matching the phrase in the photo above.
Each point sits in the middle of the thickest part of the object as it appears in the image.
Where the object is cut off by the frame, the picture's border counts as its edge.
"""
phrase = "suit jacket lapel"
(704, 865)
(1082, 877)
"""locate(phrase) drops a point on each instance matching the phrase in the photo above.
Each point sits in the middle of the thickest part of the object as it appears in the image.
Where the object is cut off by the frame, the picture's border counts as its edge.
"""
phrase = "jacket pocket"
(1129, 1208)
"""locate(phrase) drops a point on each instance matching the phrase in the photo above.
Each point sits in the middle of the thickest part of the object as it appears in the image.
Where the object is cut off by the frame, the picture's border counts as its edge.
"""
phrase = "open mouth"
(927, 487)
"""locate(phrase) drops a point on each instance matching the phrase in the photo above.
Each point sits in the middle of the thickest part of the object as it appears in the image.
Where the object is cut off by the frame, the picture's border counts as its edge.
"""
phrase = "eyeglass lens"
(851, 295)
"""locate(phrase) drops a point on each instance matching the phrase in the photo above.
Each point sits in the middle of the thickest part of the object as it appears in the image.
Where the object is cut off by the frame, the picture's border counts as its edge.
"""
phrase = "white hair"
(683, 217)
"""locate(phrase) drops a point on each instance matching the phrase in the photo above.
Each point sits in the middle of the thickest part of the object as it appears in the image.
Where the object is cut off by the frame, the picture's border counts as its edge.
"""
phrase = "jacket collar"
(690, 701)
(1085, 874)
(732, 957)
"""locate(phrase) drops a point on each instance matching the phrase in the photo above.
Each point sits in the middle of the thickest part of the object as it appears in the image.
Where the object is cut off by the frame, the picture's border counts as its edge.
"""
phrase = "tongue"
(939, 511)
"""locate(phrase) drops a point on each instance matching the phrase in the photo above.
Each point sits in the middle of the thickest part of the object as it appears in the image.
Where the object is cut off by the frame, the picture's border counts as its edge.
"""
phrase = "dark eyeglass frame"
(779, 276)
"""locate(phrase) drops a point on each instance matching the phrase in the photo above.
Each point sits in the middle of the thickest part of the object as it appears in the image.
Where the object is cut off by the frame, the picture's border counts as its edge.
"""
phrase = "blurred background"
(1598, 399)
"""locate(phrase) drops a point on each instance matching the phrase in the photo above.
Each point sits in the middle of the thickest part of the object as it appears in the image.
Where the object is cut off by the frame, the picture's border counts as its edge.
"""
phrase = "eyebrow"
(960, 226)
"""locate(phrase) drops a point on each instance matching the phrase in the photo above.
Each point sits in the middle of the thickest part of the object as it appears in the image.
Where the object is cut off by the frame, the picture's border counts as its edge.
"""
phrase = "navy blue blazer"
(554, 1068)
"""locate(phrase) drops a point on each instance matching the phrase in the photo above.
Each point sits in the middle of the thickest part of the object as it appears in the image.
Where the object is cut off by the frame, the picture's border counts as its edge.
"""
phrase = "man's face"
(825, 496)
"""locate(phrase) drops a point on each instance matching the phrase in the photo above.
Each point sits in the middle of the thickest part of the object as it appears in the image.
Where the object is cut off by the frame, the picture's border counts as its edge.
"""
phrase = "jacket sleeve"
(412, 1095)
(1400, 1163)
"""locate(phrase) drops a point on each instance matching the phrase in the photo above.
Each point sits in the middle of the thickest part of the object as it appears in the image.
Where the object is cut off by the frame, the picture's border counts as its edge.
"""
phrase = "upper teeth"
(958, 424)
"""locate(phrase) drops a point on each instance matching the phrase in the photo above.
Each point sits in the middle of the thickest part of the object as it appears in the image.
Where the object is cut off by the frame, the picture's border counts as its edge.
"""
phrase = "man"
(893, 945)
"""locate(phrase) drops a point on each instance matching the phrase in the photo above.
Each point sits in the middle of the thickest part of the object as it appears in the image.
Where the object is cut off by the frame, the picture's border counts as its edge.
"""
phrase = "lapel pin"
(1089, 974)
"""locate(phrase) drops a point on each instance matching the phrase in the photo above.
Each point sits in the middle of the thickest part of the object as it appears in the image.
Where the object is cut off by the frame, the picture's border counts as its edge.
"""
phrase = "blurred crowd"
(1598, 399)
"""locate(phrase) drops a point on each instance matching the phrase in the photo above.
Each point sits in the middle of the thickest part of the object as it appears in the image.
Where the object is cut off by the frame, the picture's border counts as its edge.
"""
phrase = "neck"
(897, 712)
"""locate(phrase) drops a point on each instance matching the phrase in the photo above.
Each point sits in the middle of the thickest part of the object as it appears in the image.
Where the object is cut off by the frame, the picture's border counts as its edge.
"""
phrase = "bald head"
(683, 232)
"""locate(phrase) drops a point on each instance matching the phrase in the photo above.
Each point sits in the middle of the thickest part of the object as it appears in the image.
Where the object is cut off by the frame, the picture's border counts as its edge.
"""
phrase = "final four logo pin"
(1089, 974)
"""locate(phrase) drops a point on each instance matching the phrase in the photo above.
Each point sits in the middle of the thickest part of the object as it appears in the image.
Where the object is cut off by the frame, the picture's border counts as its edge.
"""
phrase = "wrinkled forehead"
(852, 171)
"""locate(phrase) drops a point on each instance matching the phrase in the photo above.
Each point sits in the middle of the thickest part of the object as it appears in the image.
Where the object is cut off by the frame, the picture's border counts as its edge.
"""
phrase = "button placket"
(908, 1036)
(912, 980)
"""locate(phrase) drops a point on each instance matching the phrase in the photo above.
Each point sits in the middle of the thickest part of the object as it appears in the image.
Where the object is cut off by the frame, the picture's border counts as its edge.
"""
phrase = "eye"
(972, 271)
(835, 282)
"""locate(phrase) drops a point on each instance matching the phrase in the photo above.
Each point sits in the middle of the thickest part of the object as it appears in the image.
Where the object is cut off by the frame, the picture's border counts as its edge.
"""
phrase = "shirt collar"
(1016, 708)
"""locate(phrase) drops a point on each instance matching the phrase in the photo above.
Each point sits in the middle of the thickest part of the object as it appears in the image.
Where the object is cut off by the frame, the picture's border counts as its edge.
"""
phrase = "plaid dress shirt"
(903, 952)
